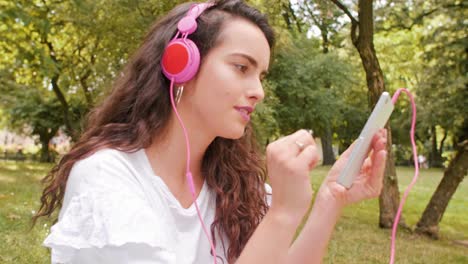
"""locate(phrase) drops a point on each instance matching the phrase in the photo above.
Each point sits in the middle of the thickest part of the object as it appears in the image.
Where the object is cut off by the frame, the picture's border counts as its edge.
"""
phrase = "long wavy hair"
(138, 107)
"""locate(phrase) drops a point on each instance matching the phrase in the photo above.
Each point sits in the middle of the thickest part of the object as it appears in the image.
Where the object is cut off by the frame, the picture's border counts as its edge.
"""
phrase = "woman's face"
(228, 85)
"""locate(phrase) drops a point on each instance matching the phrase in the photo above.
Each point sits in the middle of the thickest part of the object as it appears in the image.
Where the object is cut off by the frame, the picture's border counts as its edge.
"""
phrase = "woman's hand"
(289, 161)
(367, 184)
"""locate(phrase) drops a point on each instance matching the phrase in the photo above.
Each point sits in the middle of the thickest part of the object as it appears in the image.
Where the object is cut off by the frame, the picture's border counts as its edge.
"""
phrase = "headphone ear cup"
(181, 60)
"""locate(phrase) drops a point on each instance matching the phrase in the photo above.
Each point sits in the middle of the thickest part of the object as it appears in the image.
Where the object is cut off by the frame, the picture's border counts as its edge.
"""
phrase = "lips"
(244, 111)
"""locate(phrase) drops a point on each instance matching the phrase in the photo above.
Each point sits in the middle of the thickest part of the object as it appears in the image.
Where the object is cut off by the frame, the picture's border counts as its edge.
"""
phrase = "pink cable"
(416, 166)
(189, 174)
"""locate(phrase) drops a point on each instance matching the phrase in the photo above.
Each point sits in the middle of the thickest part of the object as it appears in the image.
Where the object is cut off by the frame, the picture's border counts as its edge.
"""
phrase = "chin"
(234, 133)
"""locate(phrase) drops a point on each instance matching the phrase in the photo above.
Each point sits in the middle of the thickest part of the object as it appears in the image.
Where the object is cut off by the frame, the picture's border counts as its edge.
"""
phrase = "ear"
(189, 86)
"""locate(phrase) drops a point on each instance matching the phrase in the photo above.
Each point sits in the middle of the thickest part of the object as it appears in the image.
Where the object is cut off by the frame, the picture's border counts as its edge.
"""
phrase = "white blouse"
(116, 210)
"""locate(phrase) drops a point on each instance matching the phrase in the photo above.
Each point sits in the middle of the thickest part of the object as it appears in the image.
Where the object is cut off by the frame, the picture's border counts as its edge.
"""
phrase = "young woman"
(150, 172)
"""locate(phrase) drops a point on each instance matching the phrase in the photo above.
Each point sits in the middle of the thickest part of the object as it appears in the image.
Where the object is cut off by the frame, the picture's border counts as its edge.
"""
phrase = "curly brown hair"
(138, 107)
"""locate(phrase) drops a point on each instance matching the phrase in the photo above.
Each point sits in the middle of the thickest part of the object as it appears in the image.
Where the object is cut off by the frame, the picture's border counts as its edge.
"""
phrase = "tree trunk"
(44, 137)
(435, 157)
(327, 140)
(67, 117)
(45, 152)
(327, 147)
(65, 108)
(362, 36)
(453, 176)
(389, 199)
(390, 196)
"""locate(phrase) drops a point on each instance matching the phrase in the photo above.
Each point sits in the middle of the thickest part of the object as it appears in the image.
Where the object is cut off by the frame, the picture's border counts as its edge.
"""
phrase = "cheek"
(220, 82)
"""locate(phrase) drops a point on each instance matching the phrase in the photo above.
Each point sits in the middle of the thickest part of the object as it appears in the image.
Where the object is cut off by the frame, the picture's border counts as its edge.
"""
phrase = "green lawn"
(357, 238)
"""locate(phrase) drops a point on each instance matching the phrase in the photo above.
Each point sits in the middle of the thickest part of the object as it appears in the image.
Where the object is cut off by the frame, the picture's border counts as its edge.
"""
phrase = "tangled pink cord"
(416, 171)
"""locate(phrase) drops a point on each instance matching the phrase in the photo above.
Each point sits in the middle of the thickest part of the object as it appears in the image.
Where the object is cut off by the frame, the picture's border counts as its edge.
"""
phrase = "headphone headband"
(181, 57)
(197, 9)
(188, 24)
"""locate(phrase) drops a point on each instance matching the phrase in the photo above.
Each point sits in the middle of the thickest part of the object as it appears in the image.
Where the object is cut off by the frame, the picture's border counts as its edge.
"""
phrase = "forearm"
(271, 240)
(311, 244)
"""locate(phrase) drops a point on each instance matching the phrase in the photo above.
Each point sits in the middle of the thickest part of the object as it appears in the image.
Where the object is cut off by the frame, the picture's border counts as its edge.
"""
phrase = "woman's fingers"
(365, 169)
(377, 172)
(379, 158)
(295, 143)
(379, 141)
(309, 155)
(300, 139)
(289, 161)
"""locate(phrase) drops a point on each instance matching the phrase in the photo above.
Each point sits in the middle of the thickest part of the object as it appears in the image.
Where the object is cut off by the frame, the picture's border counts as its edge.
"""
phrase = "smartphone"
(377, 120)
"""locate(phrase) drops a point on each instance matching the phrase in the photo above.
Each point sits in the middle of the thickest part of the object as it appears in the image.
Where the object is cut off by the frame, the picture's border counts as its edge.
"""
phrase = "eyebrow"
(250, 59)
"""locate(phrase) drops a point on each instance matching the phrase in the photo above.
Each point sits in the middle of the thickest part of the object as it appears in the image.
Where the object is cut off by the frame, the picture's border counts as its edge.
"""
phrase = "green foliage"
(40, 114)
(314, 89)
(76, 48)
(422, 46)
(264, 122)
(3, 119)
(444, 90)
(68, 50)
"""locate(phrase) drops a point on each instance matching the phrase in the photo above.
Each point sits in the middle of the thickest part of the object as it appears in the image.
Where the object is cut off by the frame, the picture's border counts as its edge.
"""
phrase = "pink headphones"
(181, 58)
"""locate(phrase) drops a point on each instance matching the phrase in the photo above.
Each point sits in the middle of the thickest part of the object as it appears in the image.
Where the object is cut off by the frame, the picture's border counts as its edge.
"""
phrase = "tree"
(42, 117)
(320, 14)
(442, 94)
(362, 36)
(56, 48)
(441, 87)
(453, 176)
(310, 87)
(436, 43)
(264, 122)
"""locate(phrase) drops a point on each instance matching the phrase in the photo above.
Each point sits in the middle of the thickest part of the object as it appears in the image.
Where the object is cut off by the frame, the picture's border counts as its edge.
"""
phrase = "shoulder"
(103, 159)
(105, 168)
(107, 177)
(105, 206)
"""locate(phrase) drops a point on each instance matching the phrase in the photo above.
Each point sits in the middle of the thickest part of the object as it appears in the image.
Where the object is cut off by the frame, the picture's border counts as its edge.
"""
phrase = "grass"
(19, 197)
(357, 237)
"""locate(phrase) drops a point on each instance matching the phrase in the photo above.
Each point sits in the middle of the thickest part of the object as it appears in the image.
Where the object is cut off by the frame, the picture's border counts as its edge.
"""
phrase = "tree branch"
(354, 37)
(291, 10)
(417, 20)
(312, 16)
(354, 21)
(290, 17)
(345, 10)
(441, 145)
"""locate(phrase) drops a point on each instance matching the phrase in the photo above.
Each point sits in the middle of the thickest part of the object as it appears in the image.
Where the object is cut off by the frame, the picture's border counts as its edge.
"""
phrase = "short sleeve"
(104, 209)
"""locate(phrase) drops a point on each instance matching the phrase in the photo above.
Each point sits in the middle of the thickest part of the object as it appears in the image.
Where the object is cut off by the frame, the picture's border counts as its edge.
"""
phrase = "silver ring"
(299, 144)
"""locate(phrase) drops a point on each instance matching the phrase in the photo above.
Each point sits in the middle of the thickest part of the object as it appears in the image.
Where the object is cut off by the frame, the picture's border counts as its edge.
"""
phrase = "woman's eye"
(241, 67)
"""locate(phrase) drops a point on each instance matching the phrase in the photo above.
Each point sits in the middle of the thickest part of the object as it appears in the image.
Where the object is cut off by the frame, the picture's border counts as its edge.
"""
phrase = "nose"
(256, 92)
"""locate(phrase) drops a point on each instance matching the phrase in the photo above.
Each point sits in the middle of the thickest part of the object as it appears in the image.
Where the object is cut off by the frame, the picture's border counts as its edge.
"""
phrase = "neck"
(168, 156)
